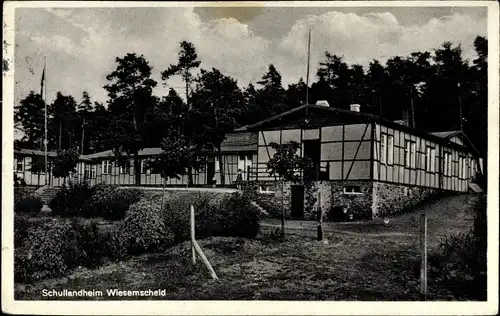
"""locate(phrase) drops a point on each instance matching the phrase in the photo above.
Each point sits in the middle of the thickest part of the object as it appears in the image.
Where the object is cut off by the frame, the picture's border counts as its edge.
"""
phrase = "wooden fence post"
(205, 260)
(320, 218)
(423, 255)
(193, 235)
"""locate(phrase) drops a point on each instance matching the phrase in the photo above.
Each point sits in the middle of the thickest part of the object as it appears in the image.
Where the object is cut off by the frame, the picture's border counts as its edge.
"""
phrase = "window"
(216, 162)
(244, 161)
(107, 167)
(86, 173)
(145, 166)
(390, 150)
(462, 167)
(241, 162)
(430, 158)
(353, 189)
(383, 148)
(93, 171)
(447, 164)
(410, 154)
(126, 168)
(19, 164)
(249, 162)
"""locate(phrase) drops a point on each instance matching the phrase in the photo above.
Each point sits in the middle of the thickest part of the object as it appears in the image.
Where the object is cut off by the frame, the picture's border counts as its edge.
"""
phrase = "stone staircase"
(46, 193)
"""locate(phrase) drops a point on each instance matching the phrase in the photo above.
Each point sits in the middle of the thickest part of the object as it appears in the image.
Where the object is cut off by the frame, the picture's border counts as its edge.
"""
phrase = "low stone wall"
(390, 199)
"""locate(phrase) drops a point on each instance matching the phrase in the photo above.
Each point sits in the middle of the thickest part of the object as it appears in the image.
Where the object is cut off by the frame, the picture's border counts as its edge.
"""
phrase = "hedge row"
(49, 248)
(102, 200)
(27, 204)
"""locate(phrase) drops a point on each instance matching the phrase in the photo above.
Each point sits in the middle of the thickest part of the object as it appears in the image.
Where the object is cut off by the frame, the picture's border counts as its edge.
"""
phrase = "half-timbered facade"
(364, 165)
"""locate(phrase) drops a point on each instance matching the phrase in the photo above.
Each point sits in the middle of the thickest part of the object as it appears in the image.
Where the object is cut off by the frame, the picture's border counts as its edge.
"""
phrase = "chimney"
(323, 103)
(355, 107)
(405, 117)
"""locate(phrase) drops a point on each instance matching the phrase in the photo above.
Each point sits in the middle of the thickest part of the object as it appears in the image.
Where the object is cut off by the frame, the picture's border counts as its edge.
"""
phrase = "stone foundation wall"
(390, 199)
(270, 199)
(354, 206)
(371, 199)
(335, 203)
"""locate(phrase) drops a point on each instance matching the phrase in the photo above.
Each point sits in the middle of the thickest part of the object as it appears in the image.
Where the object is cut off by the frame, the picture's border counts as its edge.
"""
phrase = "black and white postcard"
(239, 158)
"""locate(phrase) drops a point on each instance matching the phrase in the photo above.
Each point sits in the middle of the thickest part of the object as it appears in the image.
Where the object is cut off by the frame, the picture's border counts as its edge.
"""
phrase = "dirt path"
(330, 230)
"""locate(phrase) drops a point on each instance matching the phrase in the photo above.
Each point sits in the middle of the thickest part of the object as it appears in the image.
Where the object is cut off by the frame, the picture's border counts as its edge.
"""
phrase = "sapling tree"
(288, 165)
(178, 157)
(37, 166)
(65, 163)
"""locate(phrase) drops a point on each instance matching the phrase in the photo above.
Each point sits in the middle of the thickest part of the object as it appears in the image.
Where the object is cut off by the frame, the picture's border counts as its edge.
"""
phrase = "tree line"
(440, 90)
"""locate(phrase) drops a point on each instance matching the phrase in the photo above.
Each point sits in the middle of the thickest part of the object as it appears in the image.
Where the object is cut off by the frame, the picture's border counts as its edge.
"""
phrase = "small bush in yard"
(143, 229)
(111, 202)
(239, 217)
(27, 204)
(91, 249)
(68, 201)
(43, 253)
(229, 216)
(21, 228)
(116, 245)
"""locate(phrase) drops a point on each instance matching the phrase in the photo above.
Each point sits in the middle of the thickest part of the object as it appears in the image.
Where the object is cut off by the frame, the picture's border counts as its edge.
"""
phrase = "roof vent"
(323, 103)
(355, 107)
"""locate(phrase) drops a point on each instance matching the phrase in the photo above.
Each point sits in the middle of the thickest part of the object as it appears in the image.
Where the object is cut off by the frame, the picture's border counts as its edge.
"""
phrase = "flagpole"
(308, 58)
(307, 75)
(45, 137)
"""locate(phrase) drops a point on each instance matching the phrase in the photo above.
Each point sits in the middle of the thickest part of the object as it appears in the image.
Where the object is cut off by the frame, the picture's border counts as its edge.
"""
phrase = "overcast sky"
(81, 44)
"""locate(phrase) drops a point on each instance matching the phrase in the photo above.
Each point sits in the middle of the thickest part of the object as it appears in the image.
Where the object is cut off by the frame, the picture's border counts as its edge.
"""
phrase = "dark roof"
(234, 142)
(238, 142)
(447, 134)
(450, 134)
(357, 117)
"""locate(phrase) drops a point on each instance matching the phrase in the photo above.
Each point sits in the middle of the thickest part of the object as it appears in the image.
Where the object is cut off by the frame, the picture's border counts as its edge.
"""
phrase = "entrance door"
(312, 150)
(297, 210)
(210, 170)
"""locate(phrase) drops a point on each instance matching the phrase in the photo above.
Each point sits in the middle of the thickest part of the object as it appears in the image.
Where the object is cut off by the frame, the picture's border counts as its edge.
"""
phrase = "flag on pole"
(42, 82)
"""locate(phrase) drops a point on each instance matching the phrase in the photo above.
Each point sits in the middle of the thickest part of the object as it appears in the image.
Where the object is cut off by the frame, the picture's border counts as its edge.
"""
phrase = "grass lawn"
(360, 261)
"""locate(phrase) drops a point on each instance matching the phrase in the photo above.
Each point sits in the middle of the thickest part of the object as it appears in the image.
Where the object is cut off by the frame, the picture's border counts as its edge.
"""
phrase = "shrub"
(21, 228)
(68, 201)
(272, 206)
(143, 229)
(27, 204)
(239, 218)
(116, 245)
(43, 252)
(91, 248)
(111, 202)
(228, 216)
(176, 214)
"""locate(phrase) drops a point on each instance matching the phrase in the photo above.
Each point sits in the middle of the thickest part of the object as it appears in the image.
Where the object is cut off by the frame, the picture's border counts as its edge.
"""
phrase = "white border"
(251, 307)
